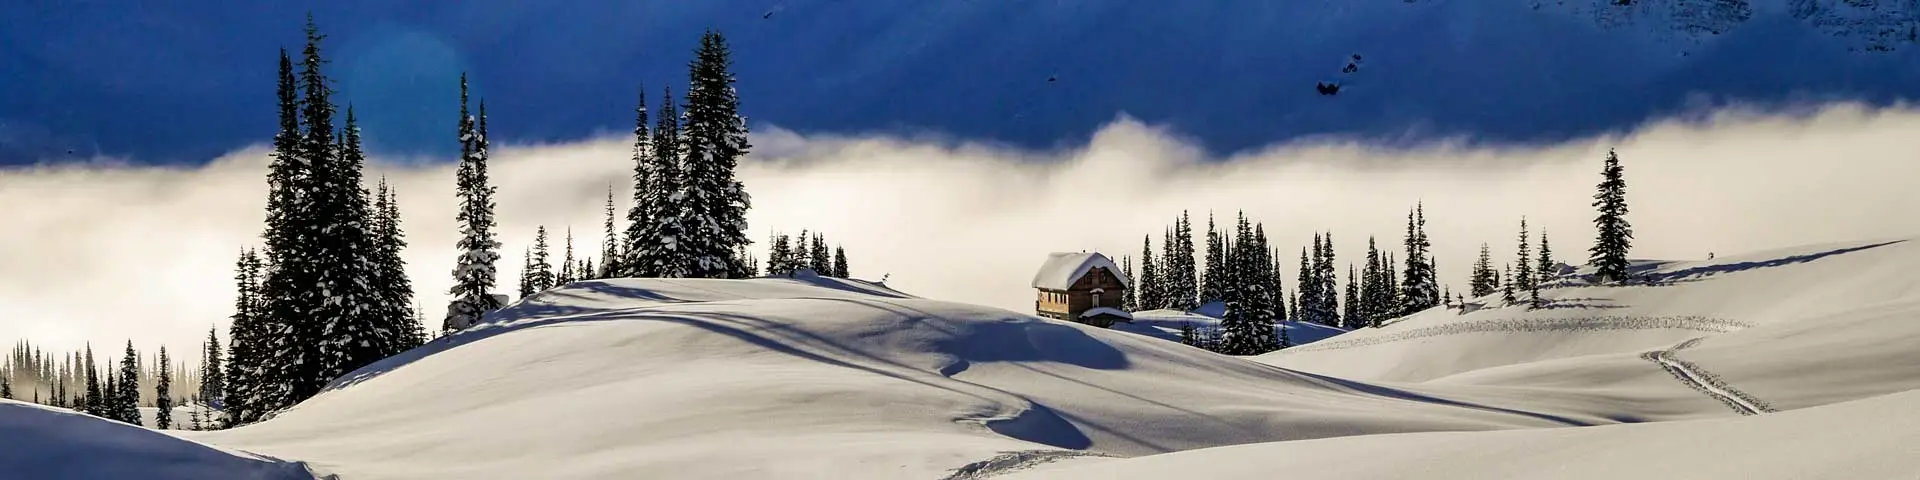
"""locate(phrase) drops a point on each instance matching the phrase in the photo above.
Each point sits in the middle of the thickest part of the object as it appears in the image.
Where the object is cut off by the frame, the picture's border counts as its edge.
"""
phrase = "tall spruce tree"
(541, 277)
(401, 331)
(1609, 252)
(659, 243)
(1149, 281)
(643, 213)
(1129, 298)
(574, 270)
(127, 396)
(1376, 289)
(780, 256)
(1523, 266)
(818, 257)
(1305, 308)
(1239, 328)
(473, 272)
(1506, 287)
(1481, 283)
(252, 385)
(716, 138)
(1352, 316)
(526, 273)
(1183, 270)
(212, 375)
(610, 254)
(1548, 268)
(1214, 282)
(281, 289)
(1261, 280)
(1329, 280)
(163, 393)
(840, 262)
(1419, 289)
(1275, 281)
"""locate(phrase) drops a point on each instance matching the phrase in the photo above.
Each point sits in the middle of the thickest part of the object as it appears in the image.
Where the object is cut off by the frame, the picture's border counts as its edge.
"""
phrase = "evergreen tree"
(163, 393)
(780, 257)
(1240, 327)
(252, 384)
(6, 385)
(1547, 269)
(1274, 279)
(644, 212)
(1609, 252)
(716, 138)
(569, 266)
(1149, 282)
(1184, 287)
(1213, 284)
(281, 291)
(1354, 319)
(610, 254)
(1523, 267)
(1129, 299)
(1375, 290)
(526, 273)
(1329, 279)
(212, 376)
(840, 263)
(1305, 308)
(1481, 283)
(542, 277)
(127, 398)
(1262, 280)
(817, 257)
(660, 225)
(1506, 287)
(1419, 289)
(90, 403)
(401, 330)
(473, 271)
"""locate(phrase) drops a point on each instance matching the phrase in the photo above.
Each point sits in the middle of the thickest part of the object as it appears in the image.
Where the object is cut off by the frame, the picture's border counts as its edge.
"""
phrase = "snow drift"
(1793, 362)
(45, 442)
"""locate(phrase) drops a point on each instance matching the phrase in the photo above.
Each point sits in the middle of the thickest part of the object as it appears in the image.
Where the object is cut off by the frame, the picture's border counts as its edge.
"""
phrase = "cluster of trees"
(76, 381)
(327, 293)
(1240, 272)
(790, 254)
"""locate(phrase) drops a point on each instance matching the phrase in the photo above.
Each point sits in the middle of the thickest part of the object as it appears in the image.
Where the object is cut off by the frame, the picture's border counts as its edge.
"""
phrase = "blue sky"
(182, 82)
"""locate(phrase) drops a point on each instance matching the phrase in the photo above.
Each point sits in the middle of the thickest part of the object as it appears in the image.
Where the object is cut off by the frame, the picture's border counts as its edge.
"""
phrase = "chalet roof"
(1063, 269)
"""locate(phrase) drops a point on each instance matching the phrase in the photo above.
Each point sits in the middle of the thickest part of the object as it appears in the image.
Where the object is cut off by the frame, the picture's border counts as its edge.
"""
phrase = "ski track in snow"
(1704, 381)
(1009, 462)
(1681, 322)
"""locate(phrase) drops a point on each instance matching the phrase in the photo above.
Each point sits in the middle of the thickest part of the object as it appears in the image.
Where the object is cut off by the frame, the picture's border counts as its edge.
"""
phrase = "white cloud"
(105, 252)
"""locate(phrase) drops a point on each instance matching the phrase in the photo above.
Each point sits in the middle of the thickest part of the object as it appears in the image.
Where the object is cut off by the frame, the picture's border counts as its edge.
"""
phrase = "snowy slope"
(1875, 438)
(808, 378)
(45, 442)
(1751, 356)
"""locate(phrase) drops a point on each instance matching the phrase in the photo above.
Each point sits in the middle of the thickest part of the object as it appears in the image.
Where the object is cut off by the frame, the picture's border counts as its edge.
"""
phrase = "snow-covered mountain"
(1793, 363)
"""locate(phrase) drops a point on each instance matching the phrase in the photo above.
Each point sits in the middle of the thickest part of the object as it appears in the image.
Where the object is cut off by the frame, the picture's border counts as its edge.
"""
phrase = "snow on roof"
(1107, 311)
(1063, 269)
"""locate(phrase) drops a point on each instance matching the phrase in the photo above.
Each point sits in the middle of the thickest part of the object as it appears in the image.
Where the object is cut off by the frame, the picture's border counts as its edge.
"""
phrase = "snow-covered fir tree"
(1275, 281)
(163, 393)
(1181, 288)
(352, 330)
(1213, 284)
(212, 375)
(1547, 268)
(401, 326)
(818, 257)
(716, 203)
(610, 255)
(251, 388)
(126, 400)
(526, 273)
(1129, 298)
(1419, 289)
(1304, 308)
(1239, 333)
(1262, 281)
(573, 269)
(780, 256)
(1506, 287)
(1615, 239)
(658, 225)
(473, 272)
(1149, 281)
(1480, 283)
(1523, 276)
(840, 262)
(1351, 316)
(1329, 283)
(541, 275)
(1375, 291)
(643, 212)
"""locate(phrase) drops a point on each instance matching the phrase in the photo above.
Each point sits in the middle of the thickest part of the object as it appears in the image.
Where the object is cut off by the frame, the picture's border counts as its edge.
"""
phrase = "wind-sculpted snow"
(1584, 324)
(39, 442)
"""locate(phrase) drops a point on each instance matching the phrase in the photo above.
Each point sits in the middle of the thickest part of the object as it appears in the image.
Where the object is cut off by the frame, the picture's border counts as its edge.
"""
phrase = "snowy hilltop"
(1795, 362)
